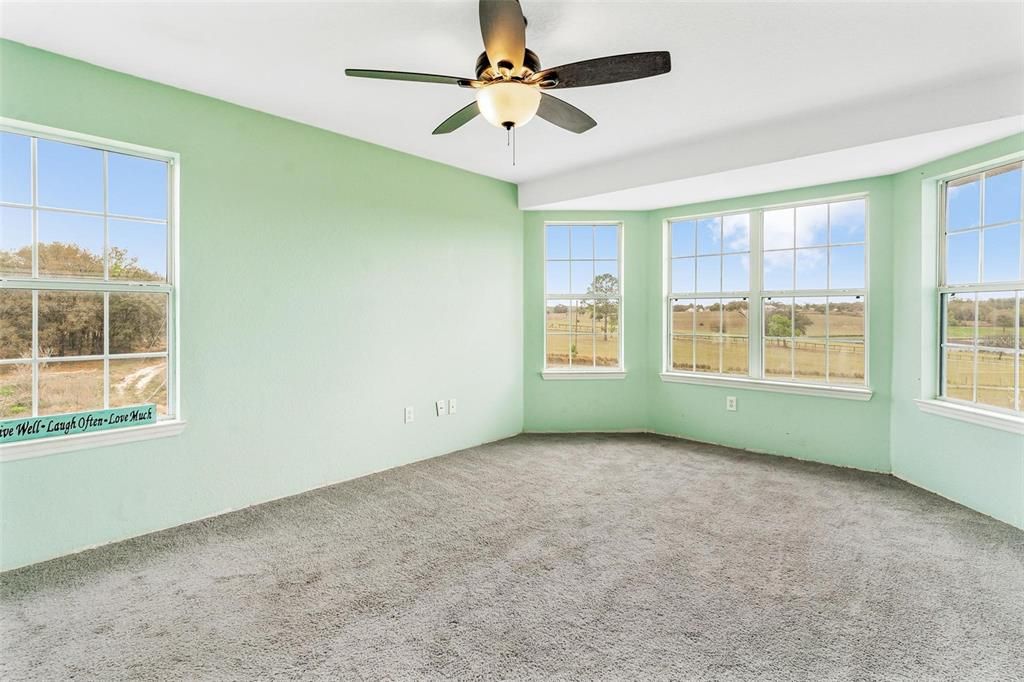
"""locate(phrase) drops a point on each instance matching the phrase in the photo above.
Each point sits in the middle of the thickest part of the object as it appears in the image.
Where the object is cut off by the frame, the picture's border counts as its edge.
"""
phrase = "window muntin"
(582, 296)
(808, 278)
(86, 286)
(981, 289)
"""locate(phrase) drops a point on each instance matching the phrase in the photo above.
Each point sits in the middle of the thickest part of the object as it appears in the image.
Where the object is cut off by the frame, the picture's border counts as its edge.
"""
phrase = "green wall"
(326, 284)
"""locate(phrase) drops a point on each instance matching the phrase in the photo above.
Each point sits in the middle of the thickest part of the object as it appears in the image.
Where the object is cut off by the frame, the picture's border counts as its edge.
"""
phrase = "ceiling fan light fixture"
(508, 103)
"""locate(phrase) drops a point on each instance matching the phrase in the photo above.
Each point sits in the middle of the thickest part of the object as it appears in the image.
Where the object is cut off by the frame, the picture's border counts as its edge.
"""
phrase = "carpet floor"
(537, 557)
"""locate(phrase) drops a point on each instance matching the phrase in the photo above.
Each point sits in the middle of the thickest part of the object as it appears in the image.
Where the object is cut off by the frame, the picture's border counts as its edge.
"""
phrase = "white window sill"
(843, 392)
(50, 446)
(571, 375)
(972, 415)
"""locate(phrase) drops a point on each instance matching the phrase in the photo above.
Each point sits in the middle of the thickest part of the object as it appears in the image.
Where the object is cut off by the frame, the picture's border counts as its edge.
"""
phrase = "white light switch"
(441, 408)
(451, 406)
(410, 416)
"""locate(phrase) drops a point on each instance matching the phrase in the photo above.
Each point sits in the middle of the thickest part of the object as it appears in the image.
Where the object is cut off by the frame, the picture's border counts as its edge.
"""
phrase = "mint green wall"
(326, 284)
(980, 467)
(591, 405)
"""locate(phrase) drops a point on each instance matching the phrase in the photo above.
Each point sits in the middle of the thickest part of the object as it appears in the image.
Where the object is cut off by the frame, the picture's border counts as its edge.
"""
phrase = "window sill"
(843, 392)
(570, 375)
(82, 441)
(972, 415)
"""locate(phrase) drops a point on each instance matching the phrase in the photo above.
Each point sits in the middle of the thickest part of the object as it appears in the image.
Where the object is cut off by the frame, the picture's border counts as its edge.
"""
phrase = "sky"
(71, 177)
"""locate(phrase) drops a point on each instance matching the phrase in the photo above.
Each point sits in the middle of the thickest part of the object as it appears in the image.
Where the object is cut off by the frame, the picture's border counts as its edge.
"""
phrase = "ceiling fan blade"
(458, 119)
(409, 76)
(615, 69)
(504, 31)
(563, 114)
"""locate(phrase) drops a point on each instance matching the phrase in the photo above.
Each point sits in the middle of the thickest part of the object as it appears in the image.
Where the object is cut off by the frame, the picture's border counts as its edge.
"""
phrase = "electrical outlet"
(442, 409)
(451, 406)
(410, 415)
(730, 403)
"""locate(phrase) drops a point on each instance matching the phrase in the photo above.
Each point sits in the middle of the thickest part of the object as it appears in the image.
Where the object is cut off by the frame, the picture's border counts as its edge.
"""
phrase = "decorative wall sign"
(15, 430)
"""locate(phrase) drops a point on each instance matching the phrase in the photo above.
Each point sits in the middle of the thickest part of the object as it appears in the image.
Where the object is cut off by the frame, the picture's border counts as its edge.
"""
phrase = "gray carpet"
(570, 557)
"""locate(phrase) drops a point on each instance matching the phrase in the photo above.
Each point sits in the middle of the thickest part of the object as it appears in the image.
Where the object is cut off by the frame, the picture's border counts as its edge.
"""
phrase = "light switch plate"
(451, 406)
(442, 409)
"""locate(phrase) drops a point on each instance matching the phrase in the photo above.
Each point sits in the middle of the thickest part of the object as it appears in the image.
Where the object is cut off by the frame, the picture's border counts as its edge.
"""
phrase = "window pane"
(960, 319)
(709, 316)
(75, 386)
(70, 323)
(812, 268)
(778, 317)
(583, 350)
(1020, 323)
(996, 318)
(809, 344)
(138, 251)
(778, 229)
(582, 276)
(138, 323)
(15, 241)
(1002, 253)
(606, 279)
(847, 267)
(606, 323)
(69, 176)
(847, 221)
(812, 225)
(736, 233)
(778, 359)
(736, 272)
(683, 238)
(709, 273)
(962, 258)
(683, 272)
(734, 317)
(606, 241)
(139, 382)
(682, 353)
(959, 374)
(15, 323)
(136, 186)
(15, 391)
(1002, 194)
(583, 322)
(709, 350)
(558, 318)
(557, 277)
(963, 204)
(558, 350)
(846, 340)
(558, 242)
(778, 270)
(582, 241)
(70, 245)
(995, 378)
(682, 317)
(607, 350)
(15, 168)
(709, 235)
(735, 321)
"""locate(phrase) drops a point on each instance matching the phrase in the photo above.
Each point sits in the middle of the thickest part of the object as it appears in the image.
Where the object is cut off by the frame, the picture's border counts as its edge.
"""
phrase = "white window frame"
(556, 373)
(757, 294)
(166, 425)
(955, 408)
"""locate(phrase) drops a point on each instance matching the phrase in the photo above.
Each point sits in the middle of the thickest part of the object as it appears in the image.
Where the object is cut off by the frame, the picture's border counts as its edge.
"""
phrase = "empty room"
(511, 340)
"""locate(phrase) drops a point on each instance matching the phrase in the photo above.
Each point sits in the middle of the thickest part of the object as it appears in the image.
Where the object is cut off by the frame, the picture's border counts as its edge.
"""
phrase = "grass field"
(577, 337)
(995, 377)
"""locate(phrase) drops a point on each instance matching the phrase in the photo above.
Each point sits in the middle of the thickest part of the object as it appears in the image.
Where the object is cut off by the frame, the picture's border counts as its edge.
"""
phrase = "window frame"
(973, 411)
(166, 425)
(755, 305)
(592, 372)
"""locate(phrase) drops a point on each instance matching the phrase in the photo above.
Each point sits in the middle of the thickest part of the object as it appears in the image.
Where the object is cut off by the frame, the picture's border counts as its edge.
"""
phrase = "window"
(87, 290)
(982, 289)
(710, 284)
(582, 297)
(803, 266)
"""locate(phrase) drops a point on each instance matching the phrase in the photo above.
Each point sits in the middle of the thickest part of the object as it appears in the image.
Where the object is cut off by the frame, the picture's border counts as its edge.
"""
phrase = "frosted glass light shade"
(508, 102)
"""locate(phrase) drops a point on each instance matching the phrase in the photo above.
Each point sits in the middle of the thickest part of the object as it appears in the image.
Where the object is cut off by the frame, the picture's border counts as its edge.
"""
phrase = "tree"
(604, 310)
(779, 325)
(1004, 320)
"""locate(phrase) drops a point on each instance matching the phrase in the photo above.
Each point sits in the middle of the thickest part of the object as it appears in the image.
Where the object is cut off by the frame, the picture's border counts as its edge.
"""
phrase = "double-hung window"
(774, 295)
(87, 287)
(982, 289)
(583, 298)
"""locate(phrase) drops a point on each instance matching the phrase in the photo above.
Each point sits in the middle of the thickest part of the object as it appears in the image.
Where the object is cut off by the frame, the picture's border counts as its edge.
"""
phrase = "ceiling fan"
(511, 87)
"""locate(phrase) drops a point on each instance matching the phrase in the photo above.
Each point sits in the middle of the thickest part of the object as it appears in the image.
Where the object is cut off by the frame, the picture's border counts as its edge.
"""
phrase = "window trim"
(167, 425)
(618, 372)
(940, 404)
(757, 294)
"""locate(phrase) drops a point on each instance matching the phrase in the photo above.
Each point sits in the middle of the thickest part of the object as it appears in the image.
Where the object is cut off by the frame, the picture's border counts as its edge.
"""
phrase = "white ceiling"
(737, 68)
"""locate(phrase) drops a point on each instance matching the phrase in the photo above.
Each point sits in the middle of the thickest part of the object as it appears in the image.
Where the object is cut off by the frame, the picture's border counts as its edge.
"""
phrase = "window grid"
(986, 382)
(38, 283)
(724, 363)
(758, 292)
(605, 306)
